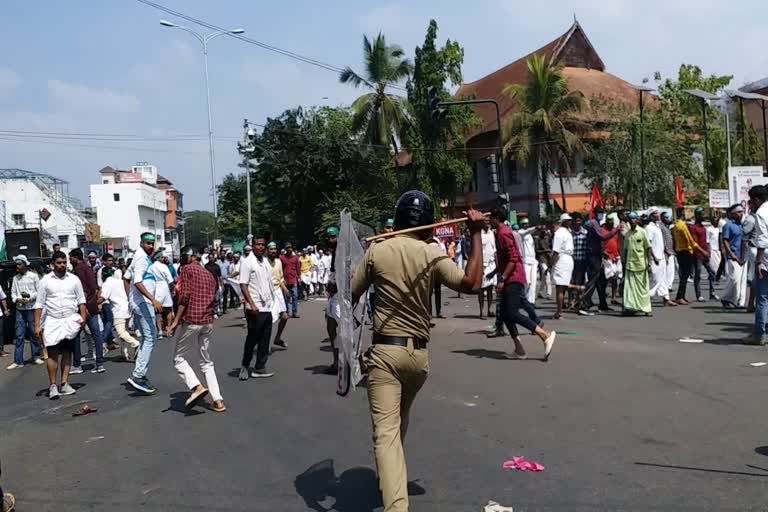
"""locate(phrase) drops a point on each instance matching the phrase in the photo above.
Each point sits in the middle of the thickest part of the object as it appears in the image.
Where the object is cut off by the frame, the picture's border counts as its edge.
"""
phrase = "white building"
(129, 203)
(28, 197)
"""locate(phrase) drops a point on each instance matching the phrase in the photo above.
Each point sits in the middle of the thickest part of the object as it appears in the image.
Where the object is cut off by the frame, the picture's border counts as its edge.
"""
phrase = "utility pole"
(246, 148)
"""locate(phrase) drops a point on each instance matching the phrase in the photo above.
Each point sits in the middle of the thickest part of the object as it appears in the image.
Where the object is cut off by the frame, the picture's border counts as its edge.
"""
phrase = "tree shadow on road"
(320, 369)
(355, 490)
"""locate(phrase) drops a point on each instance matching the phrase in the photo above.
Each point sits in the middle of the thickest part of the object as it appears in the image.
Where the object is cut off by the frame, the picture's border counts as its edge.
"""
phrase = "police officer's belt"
(402, 341)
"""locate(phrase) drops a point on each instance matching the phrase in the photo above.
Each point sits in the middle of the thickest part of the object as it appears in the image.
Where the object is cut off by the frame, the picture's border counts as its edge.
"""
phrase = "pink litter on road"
(522, 464)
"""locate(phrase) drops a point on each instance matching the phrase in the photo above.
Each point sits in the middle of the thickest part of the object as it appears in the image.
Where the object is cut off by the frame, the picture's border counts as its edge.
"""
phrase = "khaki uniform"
(403, 271)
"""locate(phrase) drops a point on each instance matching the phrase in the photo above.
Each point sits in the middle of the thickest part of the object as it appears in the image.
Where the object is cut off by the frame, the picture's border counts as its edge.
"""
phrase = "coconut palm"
(380, 116)
(546, 126)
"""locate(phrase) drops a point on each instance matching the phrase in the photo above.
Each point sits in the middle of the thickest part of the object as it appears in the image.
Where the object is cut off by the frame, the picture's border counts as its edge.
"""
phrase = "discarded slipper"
(84, 410)
(492, 506)
(522, 464)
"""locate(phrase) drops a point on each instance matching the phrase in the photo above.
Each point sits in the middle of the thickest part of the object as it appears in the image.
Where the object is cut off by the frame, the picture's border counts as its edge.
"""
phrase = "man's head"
(577, 219)
(106, 273)
(259, 245)
(289, 249)
(414, 209)
(92, 258)
(247, 250)
(610, 221)
(497, 217)
(22, 263)
(757, 196)
(188, 255)
(653, 214)
(634, 219)
(121, 262)
(681, 213)
(698, 214)
(525, 223)
(59, 262)
(332, 235)
(108, 260)
(599, 213)
(486, 225)
(76, 256)
(566, 221)
(236, 257)
(389, 226)
(736, 213)
(147, 242)
(272, 250)
(666, 218)
(56, 247)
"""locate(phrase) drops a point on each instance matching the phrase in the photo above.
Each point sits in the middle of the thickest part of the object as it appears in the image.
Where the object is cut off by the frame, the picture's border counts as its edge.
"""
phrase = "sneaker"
(53, 392)
(243, 373)
(67, 390)
(714, 296)
(262, 373)
(282, 344)
(701, 299)
(584, 312)
(195, 397)
(548, 343)
(38, 361)
(752, 340)
(99, 368)
(76, 370)
(142, 384)
(295, 316)
(9, 502)
(13, 366)
(89, 357)
(521, 357)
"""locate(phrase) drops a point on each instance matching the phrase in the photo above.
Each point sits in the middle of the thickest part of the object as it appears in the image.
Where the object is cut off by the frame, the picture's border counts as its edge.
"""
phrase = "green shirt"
(636, 244)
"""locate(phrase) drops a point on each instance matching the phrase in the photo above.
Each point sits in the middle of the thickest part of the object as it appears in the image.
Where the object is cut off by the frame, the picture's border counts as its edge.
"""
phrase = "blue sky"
(108, 67)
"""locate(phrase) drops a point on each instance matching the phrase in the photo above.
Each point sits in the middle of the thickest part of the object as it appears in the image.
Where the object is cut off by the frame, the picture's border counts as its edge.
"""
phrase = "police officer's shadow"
(355, 490)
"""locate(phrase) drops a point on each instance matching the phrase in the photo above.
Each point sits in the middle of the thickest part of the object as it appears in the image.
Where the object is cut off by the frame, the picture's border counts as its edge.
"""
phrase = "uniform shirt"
(60, 297)
(113, 291)
(141, 273)
(637, 247)
(277, 272)
(733, 234)
(580, 244)
(509, 252)
(403, 271)
(25, 283)
(699, 234)
(655, 239)
(258, 276)
(684, 242)
(563, 241)
(198, 294)
(290, 268)
(84, 272)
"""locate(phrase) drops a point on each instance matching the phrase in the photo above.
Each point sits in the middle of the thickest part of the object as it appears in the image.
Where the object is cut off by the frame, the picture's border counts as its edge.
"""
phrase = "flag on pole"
(679, 191)
(594, 200)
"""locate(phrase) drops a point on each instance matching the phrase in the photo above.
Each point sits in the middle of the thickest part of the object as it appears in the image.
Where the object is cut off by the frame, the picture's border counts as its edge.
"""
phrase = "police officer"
(403, 270)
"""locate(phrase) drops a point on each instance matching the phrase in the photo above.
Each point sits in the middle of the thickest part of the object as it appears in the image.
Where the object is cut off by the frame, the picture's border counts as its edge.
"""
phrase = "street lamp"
(204, 40)
(642, 89)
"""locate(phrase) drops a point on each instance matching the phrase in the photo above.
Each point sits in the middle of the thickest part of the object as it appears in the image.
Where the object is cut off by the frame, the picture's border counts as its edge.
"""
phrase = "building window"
(18, 219)
(116, 197)
(64, 240)
(151, 223)
(105, 182)
(80, 240)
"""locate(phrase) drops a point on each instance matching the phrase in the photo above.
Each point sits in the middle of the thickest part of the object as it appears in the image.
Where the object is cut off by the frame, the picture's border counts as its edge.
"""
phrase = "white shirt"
(315, 262)
(563, 241)
(60, 297)
(489, 246)
(258, 276)
(113, 291)
(760, 233)
(323, 265)
(117, 273)
(140, 266)
(27, 282)
(655, 239)
(529, 250)
(713, 239)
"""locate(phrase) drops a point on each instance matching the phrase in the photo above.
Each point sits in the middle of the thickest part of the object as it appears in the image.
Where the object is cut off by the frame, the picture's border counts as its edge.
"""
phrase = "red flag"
(594, 200)
(679, 191)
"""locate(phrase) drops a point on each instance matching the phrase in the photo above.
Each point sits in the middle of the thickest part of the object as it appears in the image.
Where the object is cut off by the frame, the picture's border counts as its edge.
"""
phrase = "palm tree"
(378, 114)
(545, 127)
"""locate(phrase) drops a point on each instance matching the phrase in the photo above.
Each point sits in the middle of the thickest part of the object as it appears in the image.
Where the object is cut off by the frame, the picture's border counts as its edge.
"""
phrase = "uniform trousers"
(395, 376)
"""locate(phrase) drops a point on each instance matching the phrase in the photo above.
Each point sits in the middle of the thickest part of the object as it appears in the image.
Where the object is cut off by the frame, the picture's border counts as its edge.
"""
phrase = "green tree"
(439, 166)
(380, 116)
(545, 128)
(198, 227)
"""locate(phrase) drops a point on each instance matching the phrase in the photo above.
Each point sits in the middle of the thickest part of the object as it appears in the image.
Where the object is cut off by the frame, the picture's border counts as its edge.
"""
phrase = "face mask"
(600, 217)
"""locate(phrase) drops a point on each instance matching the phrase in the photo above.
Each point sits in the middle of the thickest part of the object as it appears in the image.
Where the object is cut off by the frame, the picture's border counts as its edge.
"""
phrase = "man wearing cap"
(735, 246)
(144, 306)
(699, 234)
(402, 270)
(637, 296)
(197, 296)
(291, 273)
(562, 261)
(658, 277)
(23, 294)
(257, 288)
(93, 262)
(279, 308)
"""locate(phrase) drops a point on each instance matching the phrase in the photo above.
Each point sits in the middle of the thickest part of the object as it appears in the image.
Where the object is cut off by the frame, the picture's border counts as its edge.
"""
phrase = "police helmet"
(414, 209)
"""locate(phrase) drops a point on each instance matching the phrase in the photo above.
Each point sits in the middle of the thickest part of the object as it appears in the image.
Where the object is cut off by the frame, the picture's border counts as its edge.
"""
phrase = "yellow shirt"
(306, 264)
(277, 272)
(684, 242)
(403, 270)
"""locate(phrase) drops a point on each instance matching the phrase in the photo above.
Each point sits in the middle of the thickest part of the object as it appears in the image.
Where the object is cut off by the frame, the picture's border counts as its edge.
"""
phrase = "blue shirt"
(224, 267)
(733, 233)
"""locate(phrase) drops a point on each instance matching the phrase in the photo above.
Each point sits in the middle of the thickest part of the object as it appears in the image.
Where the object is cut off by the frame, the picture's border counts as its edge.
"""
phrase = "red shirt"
(84, 272)
(198, 294)
(699, 234)
(611, 246)
(291, 269)
(507, 251)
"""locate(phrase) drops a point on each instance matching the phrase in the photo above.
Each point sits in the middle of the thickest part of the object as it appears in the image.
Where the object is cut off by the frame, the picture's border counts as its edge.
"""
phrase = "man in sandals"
(59, 317)
(197, 298)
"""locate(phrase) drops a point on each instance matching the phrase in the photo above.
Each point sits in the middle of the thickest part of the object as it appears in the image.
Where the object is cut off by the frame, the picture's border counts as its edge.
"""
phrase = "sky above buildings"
(132, 90)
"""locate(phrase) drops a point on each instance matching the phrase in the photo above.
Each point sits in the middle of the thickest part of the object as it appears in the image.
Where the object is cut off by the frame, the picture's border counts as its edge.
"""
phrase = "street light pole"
(204, 40)
(642, 151)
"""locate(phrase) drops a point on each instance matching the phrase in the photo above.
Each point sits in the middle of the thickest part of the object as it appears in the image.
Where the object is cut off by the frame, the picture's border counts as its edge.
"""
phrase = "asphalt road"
(623, 417)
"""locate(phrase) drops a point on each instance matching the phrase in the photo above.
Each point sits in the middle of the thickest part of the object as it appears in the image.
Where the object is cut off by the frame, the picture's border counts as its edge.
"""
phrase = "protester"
(488, 241)
(197, 296)
(658, 260)
(163, 293)
(333, 308)
(714, 243)
(562, 261)
(279, 308)
(669, 252)
(305, 263)
(257, 288)
(94, 262)
(595, 248)
(291, 273)
(685, 246)
(543, 245)
(612, 267)
(579, 235)
(24, 294)
(735, 247)
(112, 293)
(529, 259)
(702, 255)
(637, 297)
(84, 272)
(437, 292)
(107, 318)
(323, 268)
(144, 305)
(60, 313)
(313, 270)
(224, 268)
(758, 197)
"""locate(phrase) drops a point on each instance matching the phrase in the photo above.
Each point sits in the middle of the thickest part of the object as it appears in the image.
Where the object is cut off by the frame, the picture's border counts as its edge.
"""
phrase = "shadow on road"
(319, 369)
(467, 316)
(762, 450)
(482, 353)
(355, 490)
(177, 404)
(704, 470)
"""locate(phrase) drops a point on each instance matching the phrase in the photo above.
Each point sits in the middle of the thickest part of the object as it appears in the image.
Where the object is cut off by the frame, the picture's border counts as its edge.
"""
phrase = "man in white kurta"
(735, 291)
(658, 277)
(59, 317)
(489, 269)
(529, 260)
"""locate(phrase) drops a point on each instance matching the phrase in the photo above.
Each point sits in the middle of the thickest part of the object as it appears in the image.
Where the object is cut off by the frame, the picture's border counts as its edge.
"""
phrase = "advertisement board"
(741, 179)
